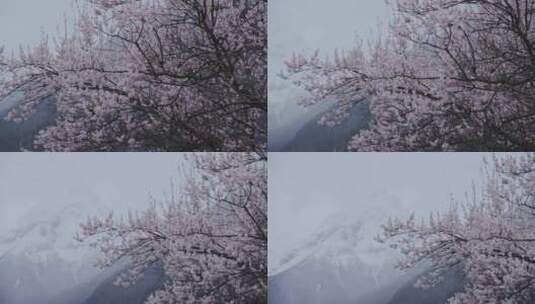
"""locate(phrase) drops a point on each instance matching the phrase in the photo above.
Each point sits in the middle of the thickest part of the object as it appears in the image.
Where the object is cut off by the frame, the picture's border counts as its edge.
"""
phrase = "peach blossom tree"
(490, 238)
(151, 75)
(210, 238)
(446, 75)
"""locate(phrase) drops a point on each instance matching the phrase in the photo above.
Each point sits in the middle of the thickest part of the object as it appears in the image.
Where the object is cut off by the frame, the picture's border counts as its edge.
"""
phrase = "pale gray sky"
(319, 24)
(306, 188)
(23, 21)
(118, 181)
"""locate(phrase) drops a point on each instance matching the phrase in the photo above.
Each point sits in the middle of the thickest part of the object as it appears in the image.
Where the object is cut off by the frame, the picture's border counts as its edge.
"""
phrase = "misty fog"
(304, 26)
(44, 198)
(24, 22)
(326, 209)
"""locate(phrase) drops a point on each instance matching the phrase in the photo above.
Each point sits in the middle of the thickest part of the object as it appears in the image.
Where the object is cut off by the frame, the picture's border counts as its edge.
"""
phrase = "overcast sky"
(320, 24)
(306, 188)
(23, 21)
(118, 181)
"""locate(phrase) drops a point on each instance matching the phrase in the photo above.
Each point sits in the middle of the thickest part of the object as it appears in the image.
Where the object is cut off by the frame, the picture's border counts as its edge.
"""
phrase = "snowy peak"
(48, 232)
(347, 237)
(336, 241)
(41, 258)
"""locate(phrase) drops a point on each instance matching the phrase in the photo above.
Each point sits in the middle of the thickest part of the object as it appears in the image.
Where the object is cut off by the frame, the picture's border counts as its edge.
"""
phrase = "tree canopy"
(152, 75)
(446, 75)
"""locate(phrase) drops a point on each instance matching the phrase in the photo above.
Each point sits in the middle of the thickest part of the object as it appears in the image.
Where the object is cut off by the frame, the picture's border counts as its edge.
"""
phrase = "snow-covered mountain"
(42, 263)
(49, 231)
(341, 263)
(346, 236)
(40, 258)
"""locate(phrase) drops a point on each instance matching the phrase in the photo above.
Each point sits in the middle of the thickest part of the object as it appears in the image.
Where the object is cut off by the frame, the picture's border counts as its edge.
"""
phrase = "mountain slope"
(102, 290)
(409, 294)
(317, 281)
(314, 137)
(107, 293)
(42, 263)
(14, 136)
(40, 258)
(340, 263)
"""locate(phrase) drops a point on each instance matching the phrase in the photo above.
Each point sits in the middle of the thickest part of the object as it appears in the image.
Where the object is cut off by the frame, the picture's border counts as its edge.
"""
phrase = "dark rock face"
(15, 137)
(75, 295)
(314, 137)
(107, 293)
(409, 294)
